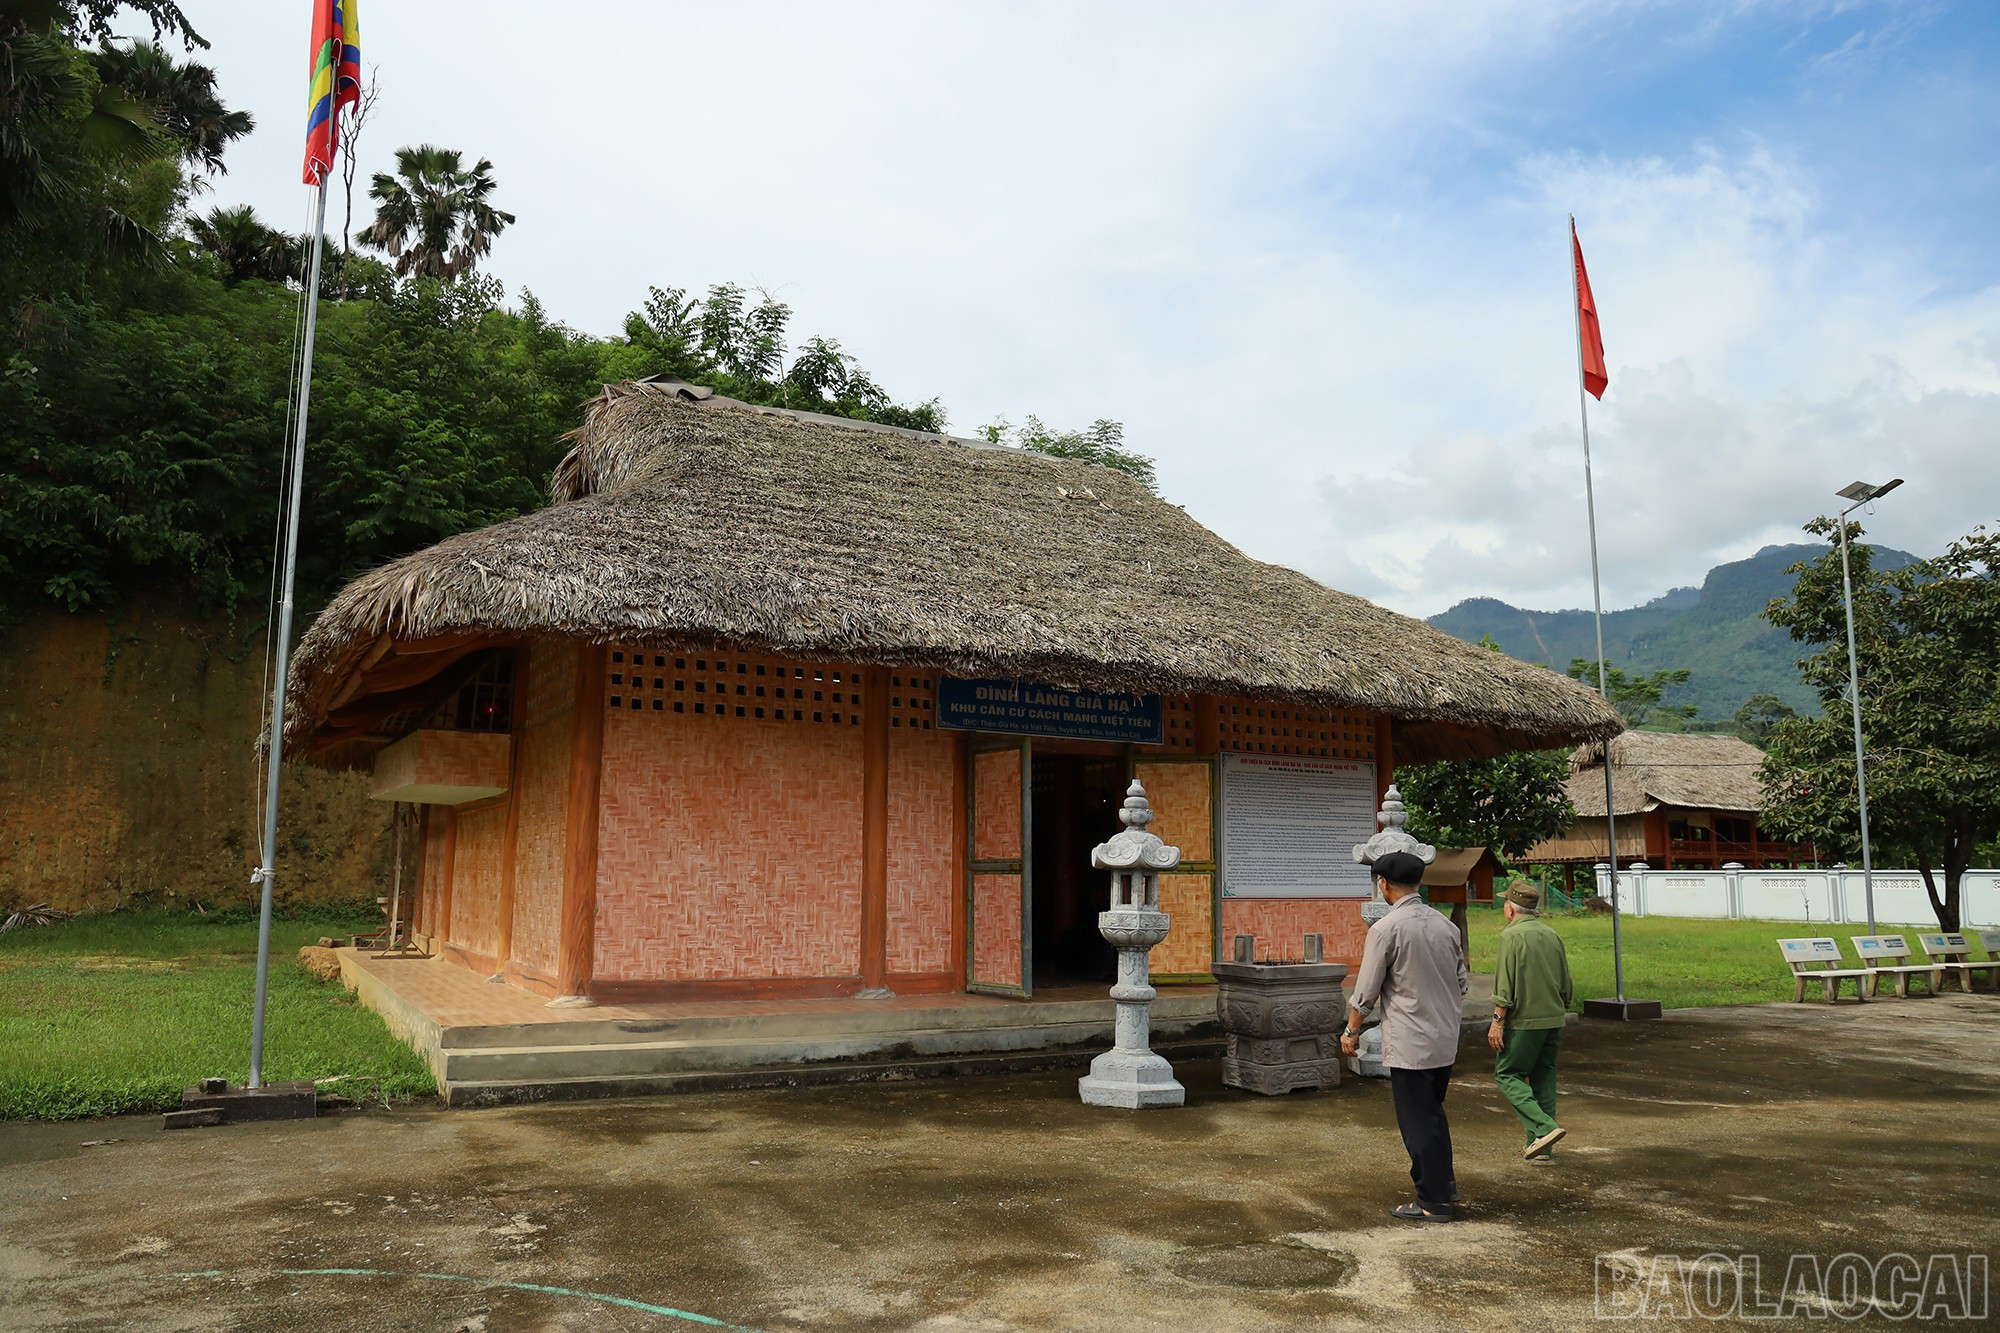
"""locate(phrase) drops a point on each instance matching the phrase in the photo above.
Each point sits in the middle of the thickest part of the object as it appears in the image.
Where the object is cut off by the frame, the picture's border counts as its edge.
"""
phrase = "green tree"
(1103, 444)
(1639, 698)
(1928, 646)
(667, 336)
(182, 96)
(244, 246)
(139, 454)
(1507, 803)
(434, 216)
(69, 144)
(738, 349)
(747, 341)
(1759, 717)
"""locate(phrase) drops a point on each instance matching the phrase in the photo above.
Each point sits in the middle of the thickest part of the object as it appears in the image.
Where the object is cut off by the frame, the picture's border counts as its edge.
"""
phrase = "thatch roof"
(1650, 769)
(680, 523)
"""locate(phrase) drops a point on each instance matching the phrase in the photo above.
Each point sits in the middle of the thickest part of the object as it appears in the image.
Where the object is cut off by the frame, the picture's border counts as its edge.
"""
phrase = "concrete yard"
(1001, 1203)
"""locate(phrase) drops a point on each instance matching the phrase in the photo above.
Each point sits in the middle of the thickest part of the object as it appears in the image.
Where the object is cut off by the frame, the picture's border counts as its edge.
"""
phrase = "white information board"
(1289, 826)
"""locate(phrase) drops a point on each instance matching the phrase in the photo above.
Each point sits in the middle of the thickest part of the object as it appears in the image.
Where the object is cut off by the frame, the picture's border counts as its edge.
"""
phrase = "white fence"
(1827, 896)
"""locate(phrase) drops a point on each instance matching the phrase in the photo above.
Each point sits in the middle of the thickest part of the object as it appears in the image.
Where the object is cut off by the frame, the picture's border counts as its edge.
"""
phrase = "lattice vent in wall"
(734, 686)
(1278, 729)
(1180, 733)
(912, 701)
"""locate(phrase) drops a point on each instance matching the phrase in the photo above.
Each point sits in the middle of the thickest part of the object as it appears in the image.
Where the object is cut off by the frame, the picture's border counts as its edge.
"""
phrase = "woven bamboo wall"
(729, 844)
(477, 858)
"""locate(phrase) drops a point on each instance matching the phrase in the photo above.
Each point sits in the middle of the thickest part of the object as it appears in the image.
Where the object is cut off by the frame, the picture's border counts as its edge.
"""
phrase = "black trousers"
(1419, 1095)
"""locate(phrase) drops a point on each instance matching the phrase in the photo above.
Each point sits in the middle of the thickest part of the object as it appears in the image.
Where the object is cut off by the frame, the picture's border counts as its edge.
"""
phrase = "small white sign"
(1290, 826)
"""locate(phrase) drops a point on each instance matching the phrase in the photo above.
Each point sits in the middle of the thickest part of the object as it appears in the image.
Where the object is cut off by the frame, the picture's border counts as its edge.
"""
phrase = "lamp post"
(1860, 493)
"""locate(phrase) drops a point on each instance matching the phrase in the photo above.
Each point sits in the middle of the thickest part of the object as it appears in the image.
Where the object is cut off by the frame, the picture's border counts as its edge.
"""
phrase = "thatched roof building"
(685, 520)
(768, 703)
(1650, 769)
(1687, 798)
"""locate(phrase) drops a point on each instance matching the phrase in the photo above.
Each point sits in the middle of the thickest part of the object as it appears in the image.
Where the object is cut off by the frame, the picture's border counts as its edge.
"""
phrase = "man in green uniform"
(1531, 995)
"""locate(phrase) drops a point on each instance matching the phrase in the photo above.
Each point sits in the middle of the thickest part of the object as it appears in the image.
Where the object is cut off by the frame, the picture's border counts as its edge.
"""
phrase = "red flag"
(1591, 339)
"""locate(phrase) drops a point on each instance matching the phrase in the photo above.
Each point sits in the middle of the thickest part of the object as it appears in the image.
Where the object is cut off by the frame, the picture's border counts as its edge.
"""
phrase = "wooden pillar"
(875, 830)
(504, 949)
(420, 919)
(578, 925)
(961, 844)
(1385, 757)
(446, 864)
(1207, 725)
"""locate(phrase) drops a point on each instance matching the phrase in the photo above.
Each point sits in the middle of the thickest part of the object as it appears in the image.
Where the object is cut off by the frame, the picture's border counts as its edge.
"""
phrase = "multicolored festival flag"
(336, 81)
(1590, 338)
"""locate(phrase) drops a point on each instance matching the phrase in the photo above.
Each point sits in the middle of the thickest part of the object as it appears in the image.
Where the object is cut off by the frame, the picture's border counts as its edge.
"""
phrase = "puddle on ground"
(1264, 1266)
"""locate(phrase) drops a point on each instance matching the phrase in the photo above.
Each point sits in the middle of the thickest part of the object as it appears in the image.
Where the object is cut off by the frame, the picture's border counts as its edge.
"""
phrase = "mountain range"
(1716, 631)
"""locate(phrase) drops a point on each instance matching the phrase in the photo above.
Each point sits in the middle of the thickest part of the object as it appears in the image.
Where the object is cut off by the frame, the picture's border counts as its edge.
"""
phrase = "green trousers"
(1525, 1069)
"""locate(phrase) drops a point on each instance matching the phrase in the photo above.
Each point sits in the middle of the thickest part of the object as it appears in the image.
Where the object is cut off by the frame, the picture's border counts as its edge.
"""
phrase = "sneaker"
(1542, 1159)
(1547, 1141)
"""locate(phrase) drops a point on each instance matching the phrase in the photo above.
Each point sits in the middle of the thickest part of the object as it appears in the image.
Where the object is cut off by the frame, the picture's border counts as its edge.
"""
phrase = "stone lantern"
(1391, 838)
(1130, 1075)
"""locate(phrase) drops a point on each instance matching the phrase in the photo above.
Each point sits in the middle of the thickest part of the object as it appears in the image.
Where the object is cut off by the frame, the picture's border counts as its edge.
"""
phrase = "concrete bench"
(1819, 960)
(1988, 940)
(1888, 955)
(1951, 954)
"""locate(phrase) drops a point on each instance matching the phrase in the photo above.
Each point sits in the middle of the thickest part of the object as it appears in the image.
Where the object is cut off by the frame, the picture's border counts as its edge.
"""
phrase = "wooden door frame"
(978, 743)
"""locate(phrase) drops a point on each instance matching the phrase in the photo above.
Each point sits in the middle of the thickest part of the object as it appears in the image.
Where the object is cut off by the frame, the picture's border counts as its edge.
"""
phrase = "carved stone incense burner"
(1281, 1021)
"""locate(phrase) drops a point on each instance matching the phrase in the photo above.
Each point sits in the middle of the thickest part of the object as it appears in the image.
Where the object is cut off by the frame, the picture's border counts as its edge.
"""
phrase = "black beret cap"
(1401, 869)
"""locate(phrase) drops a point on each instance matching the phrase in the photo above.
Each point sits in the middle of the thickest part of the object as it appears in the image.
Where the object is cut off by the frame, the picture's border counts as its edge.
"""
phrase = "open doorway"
(1076, 801)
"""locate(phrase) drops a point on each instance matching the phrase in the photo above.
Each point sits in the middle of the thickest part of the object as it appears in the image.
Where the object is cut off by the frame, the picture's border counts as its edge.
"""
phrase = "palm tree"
(246, 247)
(432, 215)
(184, 98)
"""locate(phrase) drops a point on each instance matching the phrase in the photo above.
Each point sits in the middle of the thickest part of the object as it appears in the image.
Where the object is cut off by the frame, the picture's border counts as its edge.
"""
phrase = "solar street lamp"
(1860, 493)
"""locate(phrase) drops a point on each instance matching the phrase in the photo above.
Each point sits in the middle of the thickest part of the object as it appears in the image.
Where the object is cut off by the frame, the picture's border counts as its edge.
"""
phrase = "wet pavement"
(1754, 1133)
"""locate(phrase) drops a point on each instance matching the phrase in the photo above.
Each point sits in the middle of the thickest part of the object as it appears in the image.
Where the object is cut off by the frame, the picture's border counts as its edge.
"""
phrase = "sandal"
(1415, 1212)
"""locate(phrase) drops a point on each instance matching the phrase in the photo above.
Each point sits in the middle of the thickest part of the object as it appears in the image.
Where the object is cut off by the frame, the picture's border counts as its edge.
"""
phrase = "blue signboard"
(1031, 708)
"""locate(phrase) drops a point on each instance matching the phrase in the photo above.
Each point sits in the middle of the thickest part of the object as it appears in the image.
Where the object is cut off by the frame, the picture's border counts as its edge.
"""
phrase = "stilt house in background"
(1687, 802)
(769, 703)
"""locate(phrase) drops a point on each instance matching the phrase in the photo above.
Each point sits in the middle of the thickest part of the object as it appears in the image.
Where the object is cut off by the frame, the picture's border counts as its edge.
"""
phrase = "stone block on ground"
(273, 1101)
(200, 1116)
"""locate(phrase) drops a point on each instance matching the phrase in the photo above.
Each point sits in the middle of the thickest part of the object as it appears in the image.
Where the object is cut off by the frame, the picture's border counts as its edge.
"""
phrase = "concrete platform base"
(1624, 1011)
(490, 1045)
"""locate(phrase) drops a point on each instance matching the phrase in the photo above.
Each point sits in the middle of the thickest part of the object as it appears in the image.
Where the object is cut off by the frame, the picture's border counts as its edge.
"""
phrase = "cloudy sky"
(1314, 256)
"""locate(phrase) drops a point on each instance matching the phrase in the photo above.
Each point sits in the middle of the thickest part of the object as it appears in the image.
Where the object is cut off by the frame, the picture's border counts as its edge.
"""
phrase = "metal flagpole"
(1597, 602)
(294, 490)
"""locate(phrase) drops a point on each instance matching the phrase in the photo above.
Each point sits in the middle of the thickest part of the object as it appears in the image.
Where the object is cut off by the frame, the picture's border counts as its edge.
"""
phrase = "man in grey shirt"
(1413, 966)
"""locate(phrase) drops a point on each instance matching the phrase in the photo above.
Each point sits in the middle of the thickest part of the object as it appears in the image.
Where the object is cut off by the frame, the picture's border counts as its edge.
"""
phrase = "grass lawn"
(1680, 963)
(108, 1014)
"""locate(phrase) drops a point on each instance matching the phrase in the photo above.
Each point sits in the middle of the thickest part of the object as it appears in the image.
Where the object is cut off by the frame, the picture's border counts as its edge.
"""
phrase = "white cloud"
(1759, 360)
(1250, 235)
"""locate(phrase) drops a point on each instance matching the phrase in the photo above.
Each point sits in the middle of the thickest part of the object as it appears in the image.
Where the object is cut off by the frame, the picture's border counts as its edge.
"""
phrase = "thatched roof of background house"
(1651, 768)
(682, 520)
